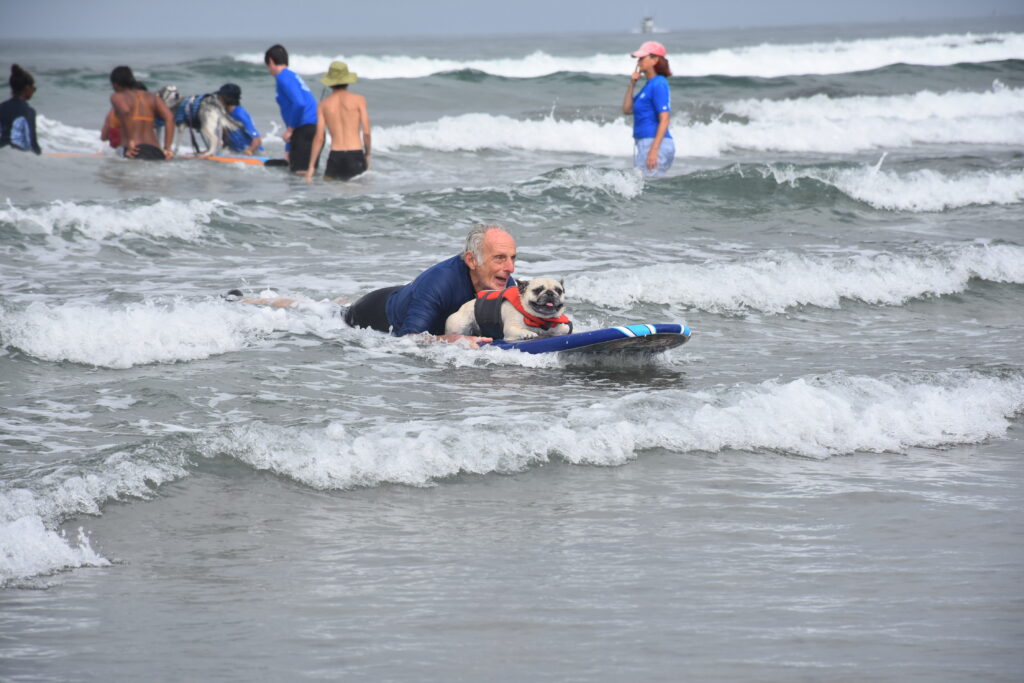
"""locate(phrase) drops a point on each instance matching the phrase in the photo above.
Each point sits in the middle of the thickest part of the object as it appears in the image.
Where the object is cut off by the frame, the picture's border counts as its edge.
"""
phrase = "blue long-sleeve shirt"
(424, 304)
(298, 106)
(240, 139)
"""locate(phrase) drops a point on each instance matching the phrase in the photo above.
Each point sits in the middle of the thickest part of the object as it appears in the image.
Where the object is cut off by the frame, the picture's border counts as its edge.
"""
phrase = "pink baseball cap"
(650, 48)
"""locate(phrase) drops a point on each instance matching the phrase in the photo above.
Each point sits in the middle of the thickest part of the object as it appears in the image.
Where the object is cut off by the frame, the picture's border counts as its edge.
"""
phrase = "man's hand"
(471, 341)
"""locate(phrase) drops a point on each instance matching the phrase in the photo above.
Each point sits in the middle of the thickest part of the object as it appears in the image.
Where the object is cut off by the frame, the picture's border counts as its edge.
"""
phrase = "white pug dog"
(535, 308)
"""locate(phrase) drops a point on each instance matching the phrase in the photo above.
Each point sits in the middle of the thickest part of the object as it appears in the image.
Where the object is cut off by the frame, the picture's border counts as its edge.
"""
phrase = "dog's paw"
(521, 336)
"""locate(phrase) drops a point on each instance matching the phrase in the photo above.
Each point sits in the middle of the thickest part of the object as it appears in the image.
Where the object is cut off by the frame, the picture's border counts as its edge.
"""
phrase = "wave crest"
(775, 282)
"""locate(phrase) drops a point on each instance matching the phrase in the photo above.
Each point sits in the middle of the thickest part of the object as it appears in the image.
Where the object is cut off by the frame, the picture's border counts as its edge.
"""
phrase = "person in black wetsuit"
(17, 118)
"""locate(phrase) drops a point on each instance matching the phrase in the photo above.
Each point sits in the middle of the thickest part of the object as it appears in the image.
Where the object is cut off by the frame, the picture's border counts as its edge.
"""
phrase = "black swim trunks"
(343, 165)
(302, 147)
(370, 311)
(148, 153)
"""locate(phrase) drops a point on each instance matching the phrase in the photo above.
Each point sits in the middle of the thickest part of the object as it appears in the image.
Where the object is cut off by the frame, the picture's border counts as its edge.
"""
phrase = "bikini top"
(139, 103)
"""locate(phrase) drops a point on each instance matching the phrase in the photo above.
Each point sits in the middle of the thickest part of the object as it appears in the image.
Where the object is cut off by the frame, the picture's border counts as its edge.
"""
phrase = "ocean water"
(824, 484)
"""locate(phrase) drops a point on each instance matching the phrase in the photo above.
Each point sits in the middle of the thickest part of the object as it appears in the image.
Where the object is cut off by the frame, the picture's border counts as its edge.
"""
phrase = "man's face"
(499, 260)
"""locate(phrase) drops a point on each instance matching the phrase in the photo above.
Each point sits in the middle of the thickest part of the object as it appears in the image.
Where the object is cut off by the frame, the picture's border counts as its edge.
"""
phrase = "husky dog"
(535, 308)
(203, 113)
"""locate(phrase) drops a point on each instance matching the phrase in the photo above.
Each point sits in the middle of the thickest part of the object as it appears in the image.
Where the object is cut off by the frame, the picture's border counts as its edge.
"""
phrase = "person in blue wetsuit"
(17, 118)
(298, 109)
(244, 140)
(423, 305)
(651, 108)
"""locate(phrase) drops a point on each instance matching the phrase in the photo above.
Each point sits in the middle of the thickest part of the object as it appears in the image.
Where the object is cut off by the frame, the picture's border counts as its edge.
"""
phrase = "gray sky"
(267, 19)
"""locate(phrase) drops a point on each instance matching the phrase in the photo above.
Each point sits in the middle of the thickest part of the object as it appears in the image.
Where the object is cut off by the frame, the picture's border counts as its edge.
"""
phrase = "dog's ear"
(522, 285)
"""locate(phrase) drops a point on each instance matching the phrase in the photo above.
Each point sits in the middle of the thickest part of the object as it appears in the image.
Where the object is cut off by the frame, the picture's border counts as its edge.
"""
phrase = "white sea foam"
(164, 218)
(140, 334)
(812, 417)
(844, 56)
(765, 60)
(30, 544)
(921, 190)
(485, 131)
(628, 184)
(776, 281)
(817, 124)
(28, 548)
(55, 136)
(822, 124)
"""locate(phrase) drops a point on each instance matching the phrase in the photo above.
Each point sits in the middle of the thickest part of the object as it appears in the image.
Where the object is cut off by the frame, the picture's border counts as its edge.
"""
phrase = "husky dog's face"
(542, 296)
(170, 95)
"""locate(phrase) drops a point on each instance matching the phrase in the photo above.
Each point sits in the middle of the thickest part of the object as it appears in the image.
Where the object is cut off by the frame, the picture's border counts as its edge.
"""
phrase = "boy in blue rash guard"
(298, 109)
(17, 118)
(651, 109)
(245, 140)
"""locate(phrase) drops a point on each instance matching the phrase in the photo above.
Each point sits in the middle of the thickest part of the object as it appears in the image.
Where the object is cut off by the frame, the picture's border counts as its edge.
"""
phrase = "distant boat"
(647, 25)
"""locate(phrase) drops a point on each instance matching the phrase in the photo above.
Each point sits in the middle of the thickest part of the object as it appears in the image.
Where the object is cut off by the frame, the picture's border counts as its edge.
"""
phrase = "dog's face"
(542, 296)
(170, 95)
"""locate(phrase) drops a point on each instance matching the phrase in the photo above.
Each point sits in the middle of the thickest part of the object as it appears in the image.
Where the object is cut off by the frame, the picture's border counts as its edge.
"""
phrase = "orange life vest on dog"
(488, 312)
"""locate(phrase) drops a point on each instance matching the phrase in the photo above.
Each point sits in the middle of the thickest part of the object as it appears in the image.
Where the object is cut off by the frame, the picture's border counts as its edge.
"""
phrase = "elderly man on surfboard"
(423, 305)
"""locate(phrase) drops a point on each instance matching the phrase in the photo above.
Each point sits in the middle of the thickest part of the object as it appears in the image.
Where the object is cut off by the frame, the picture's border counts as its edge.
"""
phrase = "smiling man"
(424, 304)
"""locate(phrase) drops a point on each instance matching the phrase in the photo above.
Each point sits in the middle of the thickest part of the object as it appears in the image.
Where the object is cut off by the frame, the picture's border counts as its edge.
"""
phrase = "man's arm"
(426, 307)
(318, 142)
(429, 308)
(250, 128)
(290, 98)
(364, 123)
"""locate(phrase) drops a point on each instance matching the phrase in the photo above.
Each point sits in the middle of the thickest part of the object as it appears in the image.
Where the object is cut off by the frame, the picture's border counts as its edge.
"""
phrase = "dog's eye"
(558, 291)
(538, 290)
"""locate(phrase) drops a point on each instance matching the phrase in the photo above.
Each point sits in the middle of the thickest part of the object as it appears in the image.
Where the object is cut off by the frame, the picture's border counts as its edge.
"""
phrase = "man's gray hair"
(475, 239)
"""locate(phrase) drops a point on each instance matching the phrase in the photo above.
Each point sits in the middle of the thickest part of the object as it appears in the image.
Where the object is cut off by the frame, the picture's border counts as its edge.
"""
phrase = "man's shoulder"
(447, 268)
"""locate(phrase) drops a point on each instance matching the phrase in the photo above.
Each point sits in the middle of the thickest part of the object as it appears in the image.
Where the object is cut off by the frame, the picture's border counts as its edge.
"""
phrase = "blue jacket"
(298, 106)
(424, 304)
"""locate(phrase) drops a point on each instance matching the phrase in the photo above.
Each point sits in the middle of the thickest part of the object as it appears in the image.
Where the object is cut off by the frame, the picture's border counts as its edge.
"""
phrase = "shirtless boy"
(135, 110)
(345, 114)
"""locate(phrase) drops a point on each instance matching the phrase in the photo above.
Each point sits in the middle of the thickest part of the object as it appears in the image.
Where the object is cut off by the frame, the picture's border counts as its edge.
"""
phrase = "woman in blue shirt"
(651, 108)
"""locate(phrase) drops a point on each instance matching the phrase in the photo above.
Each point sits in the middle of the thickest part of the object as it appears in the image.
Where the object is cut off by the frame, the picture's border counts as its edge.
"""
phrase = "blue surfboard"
(627, 340)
